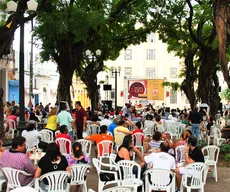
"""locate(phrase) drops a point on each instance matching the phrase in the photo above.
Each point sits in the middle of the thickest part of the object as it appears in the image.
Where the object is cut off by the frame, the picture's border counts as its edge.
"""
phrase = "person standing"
(196, 118)
(80, 119)
(65, 118)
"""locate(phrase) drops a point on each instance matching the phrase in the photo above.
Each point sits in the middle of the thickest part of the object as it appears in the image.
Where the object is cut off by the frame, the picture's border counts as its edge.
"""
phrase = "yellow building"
(79, 92)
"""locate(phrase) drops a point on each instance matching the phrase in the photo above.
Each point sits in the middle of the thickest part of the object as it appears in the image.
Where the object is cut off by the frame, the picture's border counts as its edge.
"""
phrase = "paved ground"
(211, 186)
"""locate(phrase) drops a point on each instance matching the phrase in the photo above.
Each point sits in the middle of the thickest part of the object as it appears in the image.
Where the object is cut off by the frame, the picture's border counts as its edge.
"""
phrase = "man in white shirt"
(161, 160)
(105, 121)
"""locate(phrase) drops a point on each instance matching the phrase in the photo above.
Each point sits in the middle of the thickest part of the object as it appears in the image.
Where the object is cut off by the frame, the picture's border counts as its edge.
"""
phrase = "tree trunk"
(208, 87)
(1, 113)
(222, 18)
(190, 77)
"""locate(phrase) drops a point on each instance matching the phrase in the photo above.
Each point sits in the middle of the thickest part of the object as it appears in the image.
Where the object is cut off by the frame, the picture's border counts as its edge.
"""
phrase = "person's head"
(128, 142)
(78, 105)
(185, 134)
(133, 115)
(30, 127)
(164, 146)
(158, 118)
(19, 144)
(8, 104)
(32, 116)
(63, 106)
(63, 129)
(190, 132)
(115, 121)
(13, 112)
(196, 108)
(103, 129)
(53, 111)
(94, 117)
(121, 123)
(13, 103)
(157, 136)
(77, 149)
(106, 117)
(137, 125)
(192, 141)
(52, 151)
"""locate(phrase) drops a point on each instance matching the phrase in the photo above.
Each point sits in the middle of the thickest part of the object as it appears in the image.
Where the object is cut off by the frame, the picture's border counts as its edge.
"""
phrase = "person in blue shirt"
(112, 126)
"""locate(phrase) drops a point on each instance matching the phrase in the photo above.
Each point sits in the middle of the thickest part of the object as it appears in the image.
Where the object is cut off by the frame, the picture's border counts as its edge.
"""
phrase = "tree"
(85, 24)
(188, 28)
(225, 94)
(1, 113)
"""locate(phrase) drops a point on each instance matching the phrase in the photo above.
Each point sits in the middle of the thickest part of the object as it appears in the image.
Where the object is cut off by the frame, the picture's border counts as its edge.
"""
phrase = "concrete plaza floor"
(211, 186)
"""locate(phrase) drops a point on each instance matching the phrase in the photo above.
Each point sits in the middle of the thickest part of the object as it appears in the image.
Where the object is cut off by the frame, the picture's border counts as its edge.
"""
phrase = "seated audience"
(155, 142)
(95, 119)
(161, 159)
(137, 129)
(33, 137)
(33, 117)
(105, 121)
(192, 154)
(16, 158)
(51, 161)
(78, 157)
(64, 134)
(112, 126)
(100, 137)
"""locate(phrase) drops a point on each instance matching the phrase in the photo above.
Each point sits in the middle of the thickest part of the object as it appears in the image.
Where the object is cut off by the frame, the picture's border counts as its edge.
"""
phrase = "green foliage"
(225, 94)
(225, 148)
(173, 85)
(227, 157)
(201, 143)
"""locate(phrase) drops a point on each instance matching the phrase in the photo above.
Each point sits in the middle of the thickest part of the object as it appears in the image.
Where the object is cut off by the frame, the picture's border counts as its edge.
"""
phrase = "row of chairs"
(57, 180)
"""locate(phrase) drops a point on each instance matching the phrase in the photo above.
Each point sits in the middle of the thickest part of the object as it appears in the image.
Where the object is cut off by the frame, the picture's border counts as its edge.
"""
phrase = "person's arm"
(138, 153)
(87, 138)
(73, 124)
(129, 122)
(28, 166)
(125, 131)
(68, 169)
(187, 158)
(84, 123)
(38, 172)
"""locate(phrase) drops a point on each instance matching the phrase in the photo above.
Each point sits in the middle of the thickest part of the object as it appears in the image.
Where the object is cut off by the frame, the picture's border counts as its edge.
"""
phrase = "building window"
(128, 71)
(150, 72)
(150, 54)
(128, 54)
(173, 72)
(151, 38)
(112, 94)
(173, 97)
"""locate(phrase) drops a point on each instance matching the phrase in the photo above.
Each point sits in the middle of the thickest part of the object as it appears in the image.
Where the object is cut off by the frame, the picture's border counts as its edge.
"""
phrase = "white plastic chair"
(126, 173)
(24, 189)
(112, 158)
(62, 143)
(104, 149)
(2, 179)
(116, 189)
(12, 176)
(211, 154)
(86, 146)
(94, 129)
(118, 139)
(78, 174)
(109, 133)
(139, 141)
(159, 180)
(57, 133)
(12, 127)
(46, 135)
(57, 181)
(98, 165)
(194, 177)
(180, 154)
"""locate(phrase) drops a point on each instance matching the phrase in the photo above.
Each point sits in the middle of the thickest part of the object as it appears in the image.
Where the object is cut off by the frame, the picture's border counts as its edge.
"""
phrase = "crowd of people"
(159, 146)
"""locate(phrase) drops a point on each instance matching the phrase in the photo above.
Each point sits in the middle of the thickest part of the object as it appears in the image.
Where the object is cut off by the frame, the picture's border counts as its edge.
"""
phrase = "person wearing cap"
(100, 137)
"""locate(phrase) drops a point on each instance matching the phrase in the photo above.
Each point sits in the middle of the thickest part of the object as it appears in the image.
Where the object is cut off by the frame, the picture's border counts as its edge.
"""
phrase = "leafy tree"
(225, 94)
(85, 24)
(188, 28)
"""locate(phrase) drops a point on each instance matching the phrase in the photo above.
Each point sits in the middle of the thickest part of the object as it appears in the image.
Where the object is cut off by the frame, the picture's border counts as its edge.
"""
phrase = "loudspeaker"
(109, 103)
(107, 87)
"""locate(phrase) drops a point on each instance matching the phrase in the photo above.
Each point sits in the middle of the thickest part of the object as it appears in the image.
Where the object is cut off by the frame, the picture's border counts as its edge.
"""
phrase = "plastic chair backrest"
(86, 146)
(12, 176)
(94, 129)
(12, 124)
(57, 133)
(119, 138)
(78, 173)
(104, 148)
(126, 169)
(212, 152)
(57, 181)
(46, 135)
(195, 175)
(180, 155)
(120, 189)
(138, 139)
(62, 143)
(160, 179)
